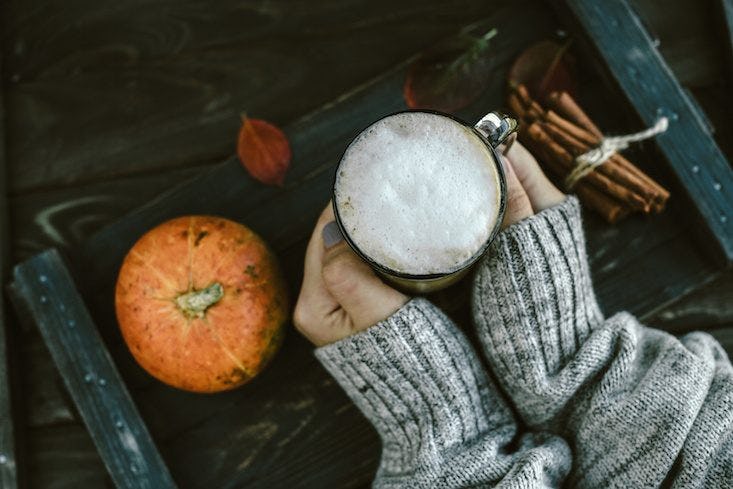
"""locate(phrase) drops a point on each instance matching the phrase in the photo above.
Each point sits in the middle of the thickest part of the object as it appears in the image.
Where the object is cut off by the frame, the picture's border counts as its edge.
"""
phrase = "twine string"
(589, 161)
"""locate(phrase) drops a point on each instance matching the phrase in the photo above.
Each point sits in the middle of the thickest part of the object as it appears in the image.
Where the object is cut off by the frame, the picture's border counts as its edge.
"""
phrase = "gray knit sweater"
(582, 401)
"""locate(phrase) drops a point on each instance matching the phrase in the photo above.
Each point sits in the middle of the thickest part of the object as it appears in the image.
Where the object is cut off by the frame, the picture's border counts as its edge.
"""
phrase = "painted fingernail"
(331, 234)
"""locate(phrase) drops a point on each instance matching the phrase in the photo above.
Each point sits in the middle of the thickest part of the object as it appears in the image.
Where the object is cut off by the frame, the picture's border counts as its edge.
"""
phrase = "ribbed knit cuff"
(533, 301)
(416, 378)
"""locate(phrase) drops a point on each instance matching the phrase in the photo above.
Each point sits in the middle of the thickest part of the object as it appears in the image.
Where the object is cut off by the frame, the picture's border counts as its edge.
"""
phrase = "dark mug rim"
(484, 247)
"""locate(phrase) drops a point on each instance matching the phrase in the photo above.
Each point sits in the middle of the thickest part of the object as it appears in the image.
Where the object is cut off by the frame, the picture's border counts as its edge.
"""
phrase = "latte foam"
(418, 193)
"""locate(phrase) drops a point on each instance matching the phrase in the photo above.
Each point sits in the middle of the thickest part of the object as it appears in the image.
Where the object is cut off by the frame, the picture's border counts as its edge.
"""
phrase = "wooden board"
(48, 294)
(63, 456)
(269, 428)
(67, 216)
(682, 34)
(98, 132)
(101, 89)
(8, 459)
(709, 308)
(350, 462)
(725, 13)
(616, 32)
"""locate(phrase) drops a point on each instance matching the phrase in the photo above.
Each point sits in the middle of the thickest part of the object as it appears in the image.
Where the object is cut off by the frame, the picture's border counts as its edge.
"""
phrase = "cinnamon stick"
(598, 180)
(566, 106)
(611, 168)
(515, 105)
(660, 194)
(532, 108)
(566, 132)
(612, 212)
(608, 207)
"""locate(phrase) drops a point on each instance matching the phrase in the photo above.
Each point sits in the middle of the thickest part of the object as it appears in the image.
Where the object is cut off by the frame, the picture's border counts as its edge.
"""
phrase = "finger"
(541, 192)
(314, 297)
(364, 297)
(518, 206)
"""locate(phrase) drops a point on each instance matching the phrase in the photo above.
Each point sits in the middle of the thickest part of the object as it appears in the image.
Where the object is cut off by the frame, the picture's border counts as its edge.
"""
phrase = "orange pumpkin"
(201, 303)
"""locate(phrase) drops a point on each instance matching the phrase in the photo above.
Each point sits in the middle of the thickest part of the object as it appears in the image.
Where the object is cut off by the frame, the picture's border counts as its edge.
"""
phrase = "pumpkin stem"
(193, 304)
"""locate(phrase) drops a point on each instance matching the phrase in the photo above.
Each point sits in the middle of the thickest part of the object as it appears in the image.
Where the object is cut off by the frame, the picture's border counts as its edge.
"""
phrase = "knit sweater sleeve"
(442, 422)
(638, 407)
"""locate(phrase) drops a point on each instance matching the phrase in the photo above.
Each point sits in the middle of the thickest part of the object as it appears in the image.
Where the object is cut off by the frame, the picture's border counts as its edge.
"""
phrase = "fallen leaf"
(543, 68)
(450, 75)
(264, 151)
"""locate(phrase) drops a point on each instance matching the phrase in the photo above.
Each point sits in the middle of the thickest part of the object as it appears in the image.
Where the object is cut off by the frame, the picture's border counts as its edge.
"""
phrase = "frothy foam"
(418, 193)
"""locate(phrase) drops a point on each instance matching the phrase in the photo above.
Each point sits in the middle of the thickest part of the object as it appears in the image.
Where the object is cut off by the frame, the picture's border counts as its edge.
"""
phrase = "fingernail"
(331, 234)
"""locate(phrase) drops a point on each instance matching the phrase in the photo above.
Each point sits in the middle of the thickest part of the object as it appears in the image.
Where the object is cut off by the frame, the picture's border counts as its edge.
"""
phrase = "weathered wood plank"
(348, 433)
(617, 34)
(686, 41)
(46, 401)
(285, 218)
(104, 89)
(725, 10)
(49, 294)
(8, 455)
(709, 307)
(317, 143)
(65, 217)
(715, 100)
(64, 457)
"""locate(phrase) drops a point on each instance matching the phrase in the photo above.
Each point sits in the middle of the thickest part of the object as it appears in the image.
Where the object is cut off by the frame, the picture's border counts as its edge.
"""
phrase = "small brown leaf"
(264, 151)
(451, 75)
(544, 67)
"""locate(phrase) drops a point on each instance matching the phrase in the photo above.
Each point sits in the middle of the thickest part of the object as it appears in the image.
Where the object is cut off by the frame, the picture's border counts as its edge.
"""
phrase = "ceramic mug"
(497, 132)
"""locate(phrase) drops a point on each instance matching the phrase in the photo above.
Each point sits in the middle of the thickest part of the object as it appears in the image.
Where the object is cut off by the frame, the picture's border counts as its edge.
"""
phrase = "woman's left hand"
(341, 294)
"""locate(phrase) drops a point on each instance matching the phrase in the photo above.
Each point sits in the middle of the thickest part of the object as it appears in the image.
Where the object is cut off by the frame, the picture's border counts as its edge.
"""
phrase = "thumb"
(518, 205)
(353, 284)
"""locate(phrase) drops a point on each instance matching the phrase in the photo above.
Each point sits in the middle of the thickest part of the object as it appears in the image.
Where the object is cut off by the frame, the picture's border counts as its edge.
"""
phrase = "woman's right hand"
(528, 189)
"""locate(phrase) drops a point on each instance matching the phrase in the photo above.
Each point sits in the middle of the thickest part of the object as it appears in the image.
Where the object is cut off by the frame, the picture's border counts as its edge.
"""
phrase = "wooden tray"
(293, 426)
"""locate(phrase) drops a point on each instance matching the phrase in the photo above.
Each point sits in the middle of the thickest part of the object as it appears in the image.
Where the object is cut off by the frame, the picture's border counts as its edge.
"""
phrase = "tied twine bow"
(589, 161)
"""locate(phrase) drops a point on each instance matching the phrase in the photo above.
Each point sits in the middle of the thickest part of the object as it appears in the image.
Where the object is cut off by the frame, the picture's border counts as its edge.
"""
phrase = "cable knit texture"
(603, 402)
(638, 407)
(442, 423)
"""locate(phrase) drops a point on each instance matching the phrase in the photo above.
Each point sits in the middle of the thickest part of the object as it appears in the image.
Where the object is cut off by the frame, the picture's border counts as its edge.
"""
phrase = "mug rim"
(484, 247)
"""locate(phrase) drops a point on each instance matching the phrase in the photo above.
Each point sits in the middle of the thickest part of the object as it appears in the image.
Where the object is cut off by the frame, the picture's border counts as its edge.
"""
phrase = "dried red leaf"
(450, 75)
(264, 151)
(543, 68)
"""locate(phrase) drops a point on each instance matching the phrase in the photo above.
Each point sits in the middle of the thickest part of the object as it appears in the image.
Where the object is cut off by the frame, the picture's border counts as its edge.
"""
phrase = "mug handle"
(499, 129)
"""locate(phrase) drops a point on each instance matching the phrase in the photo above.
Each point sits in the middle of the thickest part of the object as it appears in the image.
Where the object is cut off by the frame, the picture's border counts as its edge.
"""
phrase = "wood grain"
(104, 89)
(622, 258)
(725, 13)
(46, 400)
(48, 293)
(349, 445)
(63, 456)
(142, 129)
(681, 30)
(64, 217)
(709, 307)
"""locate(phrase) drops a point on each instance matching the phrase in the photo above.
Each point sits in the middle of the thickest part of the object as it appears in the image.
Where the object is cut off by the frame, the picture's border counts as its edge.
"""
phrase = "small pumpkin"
(201, 303)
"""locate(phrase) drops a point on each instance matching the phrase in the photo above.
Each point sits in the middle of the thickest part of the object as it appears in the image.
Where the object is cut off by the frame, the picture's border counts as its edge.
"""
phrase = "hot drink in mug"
(420, 195)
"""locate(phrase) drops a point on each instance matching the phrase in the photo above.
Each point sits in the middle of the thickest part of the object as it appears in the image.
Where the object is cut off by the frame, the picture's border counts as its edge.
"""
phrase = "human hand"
(528, 189)
(341, 294)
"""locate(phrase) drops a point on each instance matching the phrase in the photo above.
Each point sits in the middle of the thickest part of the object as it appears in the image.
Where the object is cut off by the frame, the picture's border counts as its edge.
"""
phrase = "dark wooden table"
(107, 104)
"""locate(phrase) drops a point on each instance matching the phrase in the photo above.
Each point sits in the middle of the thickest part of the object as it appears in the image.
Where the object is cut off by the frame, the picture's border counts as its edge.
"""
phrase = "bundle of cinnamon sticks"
(561, 133)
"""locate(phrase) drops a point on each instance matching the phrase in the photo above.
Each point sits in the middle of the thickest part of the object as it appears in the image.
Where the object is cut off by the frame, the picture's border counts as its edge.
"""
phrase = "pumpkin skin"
(182, 327)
